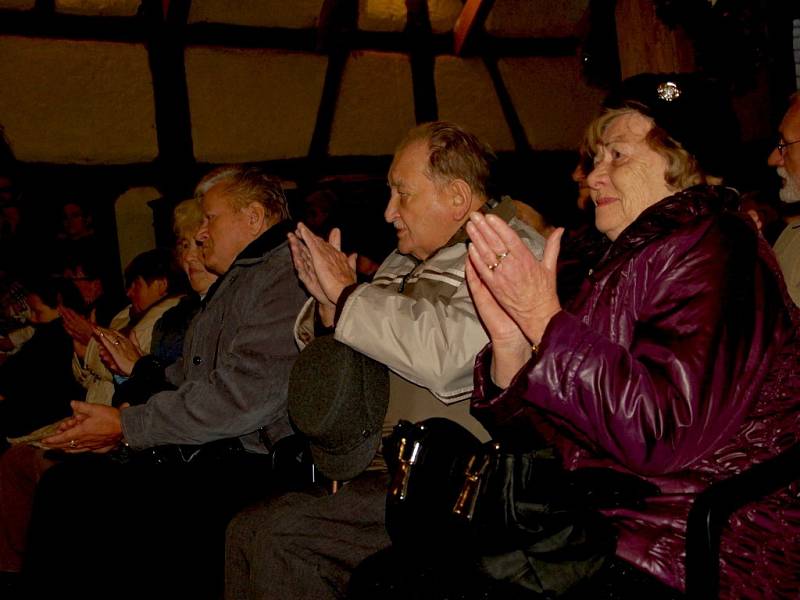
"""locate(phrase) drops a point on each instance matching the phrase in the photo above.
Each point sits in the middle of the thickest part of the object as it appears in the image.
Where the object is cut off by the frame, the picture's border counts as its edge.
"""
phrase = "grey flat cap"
(338, 399)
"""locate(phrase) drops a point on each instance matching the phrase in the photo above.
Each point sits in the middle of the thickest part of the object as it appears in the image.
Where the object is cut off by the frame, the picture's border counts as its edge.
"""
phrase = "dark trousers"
(306, 545)
(21, 467)
(393, 575)
(102, 528)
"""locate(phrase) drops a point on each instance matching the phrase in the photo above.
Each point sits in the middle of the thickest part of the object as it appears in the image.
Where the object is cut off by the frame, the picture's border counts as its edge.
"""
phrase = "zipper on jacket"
(407, 276)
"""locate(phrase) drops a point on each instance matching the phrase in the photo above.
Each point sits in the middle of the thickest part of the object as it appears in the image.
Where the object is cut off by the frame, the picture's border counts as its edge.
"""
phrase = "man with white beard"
(786, 159)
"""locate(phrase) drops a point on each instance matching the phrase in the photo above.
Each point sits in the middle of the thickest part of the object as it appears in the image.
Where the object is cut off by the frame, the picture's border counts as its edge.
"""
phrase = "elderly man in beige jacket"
(417, 318)
(785, 157)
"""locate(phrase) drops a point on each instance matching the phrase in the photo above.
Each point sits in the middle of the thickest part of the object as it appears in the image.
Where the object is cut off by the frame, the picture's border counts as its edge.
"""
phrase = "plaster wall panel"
(375, 108)
(543, 18)
(443, 14)
(466, 95)
(553, 102)
(291, 14)
(135, 222)
(382, 15)
(252, 105)
(17, 4)
(77, 102)
(105, 8)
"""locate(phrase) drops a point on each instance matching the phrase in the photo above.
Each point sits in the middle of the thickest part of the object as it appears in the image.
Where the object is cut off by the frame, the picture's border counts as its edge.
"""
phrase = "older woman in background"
(122, 355)
(677, 360)
(153, 286)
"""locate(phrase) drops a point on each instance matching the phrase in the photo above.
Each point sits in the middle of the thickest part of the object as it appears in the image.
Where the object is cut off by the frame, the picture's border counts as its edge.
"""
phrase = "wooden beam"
(521, 143)
(320, 139)
(136, 30)
(419, 32)
(646, 45)
(556, 46)
(244, 36)
(165, 46)
(72, 27)
(337, 20)
(44, 7)
(471, 19)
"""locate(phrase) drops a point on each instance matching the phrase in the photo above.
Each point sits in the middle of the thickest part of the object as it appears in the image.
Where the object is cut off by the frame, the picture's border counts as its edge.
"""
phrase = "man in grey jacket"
(417, 318)
(199, 451)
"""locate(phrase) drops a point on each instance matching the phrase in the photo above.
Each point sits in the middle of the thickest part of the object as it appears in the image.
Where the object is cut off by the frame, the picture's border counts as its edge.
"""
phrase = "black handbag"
(504, 513)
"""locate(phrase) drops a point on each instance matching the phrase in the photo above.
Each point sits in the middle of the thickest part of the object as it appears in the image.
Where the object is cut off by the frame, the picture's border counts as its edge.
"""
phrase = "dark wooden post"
(646, 44)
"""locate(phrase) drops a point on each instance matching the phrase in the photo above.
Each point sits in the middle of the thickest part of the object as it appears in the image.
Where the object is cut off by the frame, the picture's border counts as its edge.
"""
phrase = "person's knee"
(269, 520)
(241, 529)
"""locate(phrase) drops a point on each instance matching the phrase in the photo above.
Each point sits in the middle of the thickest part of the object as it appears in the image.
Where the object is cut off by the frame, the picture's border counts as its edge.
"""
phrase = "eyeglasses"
(781, 145)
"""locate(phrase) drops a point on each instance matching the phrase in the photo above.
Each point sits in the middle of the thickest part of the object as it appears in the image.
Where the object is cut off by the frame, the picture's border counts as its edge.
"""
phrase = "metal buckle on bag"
(468, 496)
(406, 457)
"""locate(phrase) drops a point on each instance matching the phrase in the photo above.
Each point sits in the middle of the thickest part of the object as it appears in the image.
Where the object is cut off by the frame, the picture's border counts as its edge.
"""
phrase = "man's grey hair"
(455, 153)
(246, 185)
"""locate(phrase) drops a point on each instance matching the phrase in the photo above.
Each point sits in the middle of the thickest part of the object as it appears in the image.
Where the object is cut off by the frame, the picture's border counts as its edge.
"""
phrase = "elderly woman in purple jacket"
(677, 360)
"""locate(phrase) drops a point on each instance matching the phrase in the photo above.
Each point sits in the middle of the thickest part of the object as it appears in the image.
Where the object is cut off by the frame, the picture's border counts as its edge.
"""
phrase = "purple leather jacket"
(677, 361)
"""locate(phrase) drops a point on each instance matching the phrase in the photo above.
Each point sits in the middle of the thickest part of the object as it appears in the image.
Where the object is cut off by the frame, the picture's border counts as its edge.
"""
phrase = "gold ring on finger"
(493, 267)
(501, 256)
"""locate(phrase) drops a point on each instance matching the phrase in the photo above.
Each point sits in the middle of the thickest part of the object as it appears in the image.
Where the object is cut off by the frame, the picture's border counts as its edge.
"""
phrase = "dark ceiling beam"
(44, 6)
(503, 47)
(43, 24)
(308, 40)
(173, 123)
(323, 126)
(243, 36)
(469, 23)
(521, 143)
(337, 21)
(135, 30)
(305, 40)
(422, 59)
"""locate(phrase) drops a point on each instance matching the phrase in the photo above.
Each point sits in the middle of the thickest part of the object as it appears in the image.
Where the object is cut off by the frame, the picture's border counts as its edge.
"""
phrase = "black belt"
(173, 454)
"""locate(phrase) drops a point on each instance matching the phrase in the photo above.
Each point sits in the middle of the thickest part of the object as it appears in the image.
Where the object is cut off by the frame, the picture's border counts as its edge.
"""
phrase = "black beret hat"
(694, 110)
(338, 399)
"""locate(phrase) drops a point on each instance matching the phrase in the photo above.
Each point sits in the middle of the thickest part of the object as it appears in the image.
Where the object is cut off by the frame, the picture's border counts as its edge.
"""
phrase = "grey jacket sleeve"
(237, 363)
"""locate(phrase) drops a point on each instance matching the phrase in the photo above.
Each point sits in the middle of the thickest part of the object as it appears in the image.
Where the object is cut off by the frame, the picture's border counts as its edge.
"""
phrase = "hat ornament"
(668, 91)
